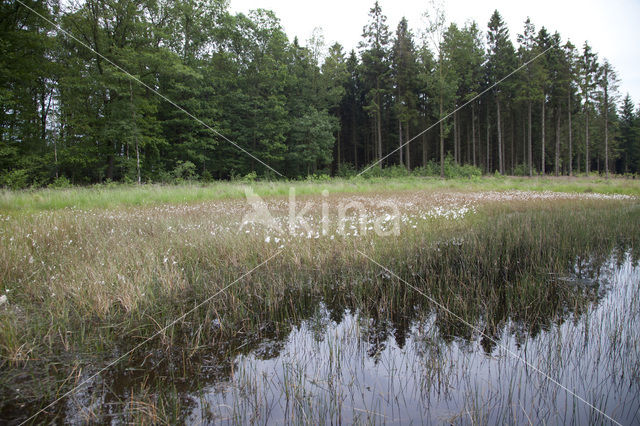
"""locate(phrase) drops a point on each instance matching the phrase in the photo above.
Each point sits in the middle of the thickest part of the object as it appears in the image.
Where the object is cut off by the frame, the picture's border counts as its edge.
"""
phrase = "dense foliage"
(69, 113)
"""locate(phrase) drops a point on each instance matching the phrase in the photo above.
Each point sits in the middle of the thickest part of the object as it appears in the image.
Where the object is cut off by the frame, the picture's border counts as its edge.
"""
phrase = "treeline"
(70, 111)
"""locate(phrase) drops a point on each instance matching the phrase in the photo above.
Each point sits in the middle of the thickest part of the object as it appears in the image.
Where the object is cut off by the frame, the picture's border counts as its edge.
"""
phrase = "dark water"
(346, 370)
(340, 365)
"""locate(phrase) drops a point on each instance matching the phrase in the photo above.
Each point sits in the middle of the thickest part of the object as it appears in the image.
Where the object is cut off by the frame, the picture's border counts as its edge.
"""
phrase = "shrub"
(394, 171)
(206, 176)
(346, 170)
(249, 177)
(469, 171)
(372, 170)
(164, 177)
(184, 170)
(521, 170)
(430, 169)
(453, 170)
(321, 177)
(15, 179)
(60, 182)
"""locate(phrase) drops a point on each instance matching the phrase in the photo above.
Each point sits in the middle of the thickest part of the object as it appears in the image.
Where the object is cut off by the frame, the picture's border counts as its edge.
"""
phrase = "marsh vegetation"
(320, 332)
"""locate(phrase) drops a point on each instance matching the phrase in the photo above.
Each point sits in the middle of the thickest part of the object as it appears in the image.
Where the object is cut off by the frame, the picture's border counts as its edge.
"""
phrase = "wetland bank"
(321, 333)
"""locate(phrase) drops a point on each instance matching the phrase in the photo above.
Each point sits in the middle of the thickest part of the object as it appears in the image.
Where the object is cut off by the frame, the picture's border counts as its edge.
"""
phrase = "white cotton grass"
(380, 213)
(117, 248)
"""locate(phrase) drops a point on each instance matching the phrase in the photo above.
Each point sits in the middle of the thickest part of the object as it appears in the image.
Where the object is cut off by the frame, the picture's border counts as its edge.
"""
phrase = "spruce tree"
(405, 73)
(501, 61)
(376, 69)
(589, 70)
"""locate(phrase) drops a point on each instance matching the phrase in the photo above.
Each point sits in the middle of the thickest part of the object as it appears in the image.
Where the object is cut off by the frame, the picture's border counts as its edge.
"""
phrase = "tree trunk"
(473, 132)
(354, 139)
(138, 161)
(459, 137)
(570, 141)
(400, 141)
(44, 113)
(55, 145)
(379, 108)
(488, 148)
(110, 166)
(339, 149)
(524, 141)
(441, 141)
(425, 157)
(529, 148)
(606, 121)
(468, 150)
(373, 150)
(55, 155)
(586, 141)
(407, 146)
(455, 138)
(135, 135)
(557, 159)
(542, 159)
(513, 143)
(500, 159)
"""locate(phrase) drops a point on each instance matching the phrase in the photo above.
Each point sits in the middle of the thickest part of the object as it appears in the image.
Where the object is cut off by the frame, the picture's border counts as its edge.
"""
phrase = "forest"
(158, 91)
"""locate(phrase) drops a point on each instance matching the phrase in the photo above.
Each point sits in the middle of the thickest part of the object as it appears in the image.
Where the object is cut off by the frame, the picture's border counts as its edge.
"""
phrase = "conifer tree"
(405, 72)
(500, 62)
(589, 70)
(529, 89)
(376, 69)
(609, 85)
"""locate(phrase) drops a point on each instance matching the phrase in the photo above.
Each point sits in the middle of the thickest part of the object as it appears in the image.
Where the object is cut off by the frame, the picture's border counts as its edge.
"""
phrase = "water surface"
(346, 366)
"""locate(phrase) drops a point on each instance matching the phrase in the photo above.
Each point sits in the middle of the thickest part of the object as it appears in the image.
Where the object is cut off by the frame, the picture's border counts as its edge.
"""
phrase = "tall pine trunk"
(488, 148)
(55, 148)
(468, 150)
(441, 140)
(524, 141)
(455, 138)
(557, 159)
(570, 140)
(459, 142)
(379, 124)
(500, 152)
(424, 149)
(529, 147)
(373, 151)
(542, 159)
(339, 149)
(513, 142)
(586, 141)
(606, 121)
(400, 141)
(473, 132)
(354, 139)
(407, 146)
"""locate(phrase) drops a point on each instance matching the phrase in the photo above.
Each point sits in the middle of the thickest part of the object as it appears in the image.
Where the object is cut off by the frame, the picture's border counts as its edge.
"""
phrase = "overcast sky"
(612, 27)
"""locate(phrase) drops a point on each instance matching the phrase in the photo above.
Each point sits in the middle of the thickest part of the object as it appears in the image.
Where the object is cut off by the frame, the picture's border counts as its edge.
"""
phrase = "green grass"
(111, 196)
